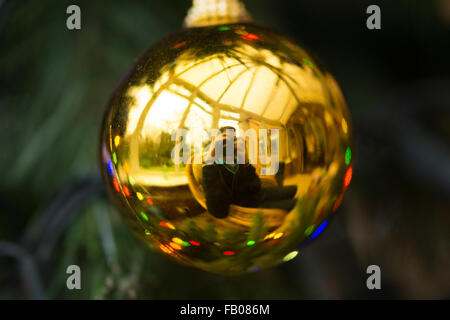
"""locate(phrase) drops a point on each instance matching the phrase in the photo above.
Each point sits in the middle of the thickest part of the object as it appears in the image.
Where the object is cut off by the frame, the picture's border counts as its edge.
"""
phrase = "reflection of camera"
(227, 142)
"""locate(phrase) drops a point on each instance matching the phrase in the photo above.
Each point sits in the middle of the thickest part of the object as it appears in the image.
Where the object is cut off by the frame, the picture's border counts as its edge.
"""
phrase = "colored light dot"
(179, 44)
(165, 249)
(176, 246)
(320, 229)
(348, 156)
(167, 225)
(185, 244)
(308, 63)
(116, 141)
(139, 195)
(114, 157)
(309, 230)
(223, 28)
(344, 126)
(144, 216)
(110, 167)
(177, 240)
(126, 191)
(251, 242)
(269, 236)
(290, 256)
(348, 177)
(278, 235)
(170, 226)
(147, 233)
(228, 253)
(116, 185)
(149, 201)
(250, 36)
(194, 243)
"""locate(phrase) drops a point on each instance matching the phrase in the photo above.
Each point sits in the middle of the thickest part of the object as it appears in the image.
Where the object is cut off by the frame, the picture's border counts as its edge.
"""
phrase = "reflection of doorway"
(270, 145)
(296, 150)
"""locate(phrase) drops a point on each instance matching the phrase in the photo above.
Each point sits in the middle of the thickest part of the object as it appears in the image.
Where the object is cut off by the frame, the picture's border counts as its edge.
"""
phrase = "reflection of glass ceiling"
(221, 90)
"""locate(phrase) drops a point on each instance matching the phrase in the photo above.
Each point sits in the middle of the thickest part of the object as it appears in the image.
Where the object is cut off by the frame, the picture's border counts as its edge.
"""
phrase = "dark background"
(54, 85)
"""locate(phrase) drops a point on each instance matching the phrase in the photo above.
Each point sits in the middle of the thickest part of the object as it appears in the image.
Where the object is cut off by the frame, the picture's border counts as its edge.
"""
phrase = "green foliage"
(258, 230)
(210, 233)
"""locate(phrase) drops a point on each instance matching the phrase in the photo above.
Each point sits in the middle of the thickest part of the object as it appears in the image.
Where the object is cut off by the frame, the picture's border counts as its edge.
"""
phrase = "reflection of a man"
(227, 183)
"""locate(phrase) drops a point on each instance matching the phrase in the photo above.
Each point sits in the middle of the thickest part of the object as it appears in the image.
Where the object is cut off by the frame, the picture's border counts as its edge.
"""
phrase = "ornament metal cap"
(215, 12)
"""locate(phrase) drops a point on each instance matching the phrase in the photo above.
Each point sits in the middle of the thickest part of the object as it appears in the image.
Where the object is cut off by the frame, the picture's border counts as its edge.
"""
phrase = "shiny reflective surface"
(225, 216)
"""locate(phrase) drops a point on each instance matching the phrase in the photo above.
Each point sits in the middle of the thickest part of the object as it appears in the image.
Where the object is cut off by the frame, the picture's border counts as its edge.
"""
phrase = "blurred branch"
(41, 237)
(28, 269)
(43, 234)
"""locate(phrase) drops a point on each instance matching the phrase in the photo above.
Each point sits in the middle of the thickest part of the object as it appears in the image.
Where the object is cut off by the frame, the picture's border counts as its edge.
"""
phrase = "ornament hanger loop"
(215, 12)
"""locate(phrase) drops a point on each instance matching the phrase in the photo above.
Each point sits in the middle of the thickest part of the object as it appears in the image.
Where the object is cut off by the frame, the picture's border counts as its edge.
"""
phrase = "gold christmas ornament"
(227, 146)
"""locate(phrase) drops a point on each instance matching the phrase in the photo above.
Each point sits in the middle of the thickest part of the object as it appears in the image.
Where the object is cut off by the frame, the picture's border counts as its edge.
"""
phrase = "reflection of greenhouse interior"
(257, 91)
